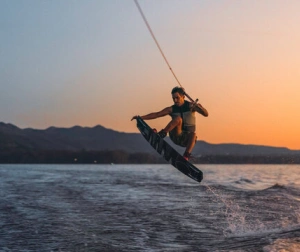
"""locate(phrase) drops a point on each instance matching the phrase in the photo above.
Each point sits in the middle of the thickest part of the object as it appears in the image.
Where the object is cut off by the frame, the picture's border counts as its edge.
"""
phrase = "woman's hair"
(178, 90)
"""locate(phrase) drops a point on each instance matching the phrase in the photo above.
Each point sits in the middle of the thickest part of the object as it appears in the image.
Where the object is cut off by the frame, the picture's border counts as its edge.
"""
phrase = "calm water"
(149, 208)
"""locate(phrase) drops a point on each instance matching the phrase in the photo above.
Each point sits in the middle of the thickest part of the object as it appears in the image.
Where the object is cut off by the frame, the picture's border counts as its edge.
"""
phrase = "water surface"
(149, 208)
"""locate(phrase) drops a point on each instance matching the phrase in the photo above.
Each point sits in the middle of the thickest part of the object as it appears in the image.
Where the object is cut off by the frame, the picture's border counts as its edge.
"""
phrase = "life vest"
(188, 116)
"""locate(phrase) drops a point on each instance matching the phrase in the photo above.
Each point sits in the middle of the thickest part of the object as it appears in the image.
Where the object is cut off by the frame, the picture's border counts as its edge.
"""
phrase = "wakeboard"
(168, 152)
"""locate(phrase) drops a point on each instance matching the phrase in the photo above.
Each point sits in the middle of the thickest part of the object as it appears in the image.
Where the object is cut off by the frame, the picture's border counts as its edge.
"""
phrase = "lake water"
(149, 208)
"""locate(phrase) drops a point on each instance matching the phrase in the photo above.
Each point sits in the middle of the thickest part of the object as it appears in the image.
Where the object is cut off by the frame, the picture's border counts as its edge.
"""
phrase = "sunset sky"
(66, 63)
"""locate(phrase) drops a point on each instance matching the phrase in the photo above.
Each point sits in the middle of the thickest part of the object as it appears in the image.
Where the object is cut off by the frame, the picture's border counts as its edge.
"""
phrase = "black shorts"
(181, 139)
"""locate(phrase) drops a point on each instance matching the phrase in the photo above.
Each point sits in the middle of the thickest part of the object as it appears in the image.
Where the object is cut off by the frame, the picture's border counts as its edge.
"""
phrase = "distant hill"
(99, 138)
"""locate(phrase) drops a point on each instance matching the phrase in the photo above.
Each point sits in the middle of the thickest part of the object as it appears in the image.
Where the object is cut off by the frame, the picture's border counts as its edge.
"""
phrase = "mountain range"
(99, 138)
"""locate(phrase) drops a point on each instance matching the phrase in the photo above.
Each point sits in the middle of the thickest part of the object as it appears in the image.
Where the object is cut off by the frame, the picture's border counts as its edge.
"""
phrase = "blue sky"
(47, 45)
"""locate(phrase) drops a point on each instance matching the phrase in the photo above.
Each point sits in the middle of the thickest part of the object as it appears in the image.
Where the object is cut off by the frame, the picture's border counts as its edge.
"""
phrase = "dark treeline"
(122, 157)
(80, 157)
(231, 159)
